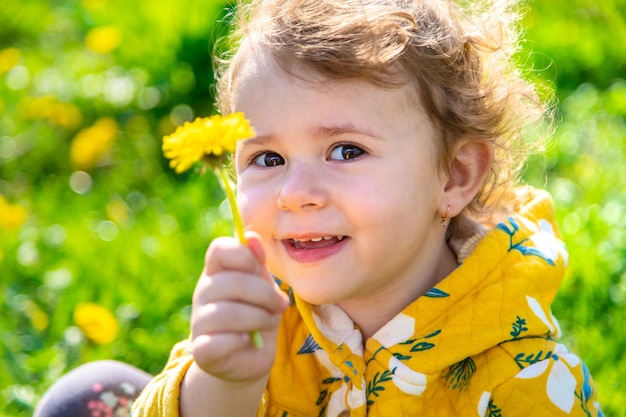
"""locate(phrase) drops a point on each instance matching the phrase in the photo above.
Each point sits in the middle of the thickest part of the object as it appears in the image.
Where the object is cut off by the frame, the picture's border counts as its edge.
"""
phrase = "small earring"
(444, 218)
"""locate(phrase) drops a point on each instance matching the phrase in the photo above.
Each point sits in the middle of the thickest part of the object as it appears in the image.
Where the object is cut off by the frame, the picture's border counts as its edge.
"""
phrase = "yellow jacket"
(483, 342)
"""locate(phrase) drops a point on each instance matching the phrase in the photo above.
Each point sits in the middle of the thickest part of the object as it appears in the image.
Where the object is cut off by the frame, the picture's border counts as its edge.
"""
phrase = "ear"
(468, 171)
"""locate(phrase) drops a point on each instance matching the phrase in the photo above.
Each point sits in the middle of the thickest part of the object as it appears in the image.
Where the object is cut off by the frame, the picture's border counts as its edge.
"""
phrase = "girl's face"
(342, 184)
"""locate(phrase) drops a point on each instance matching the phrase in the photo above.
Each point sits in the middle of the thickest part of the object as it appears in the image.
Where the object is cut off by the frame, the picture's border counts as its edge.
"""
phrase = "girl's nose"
(302, 189)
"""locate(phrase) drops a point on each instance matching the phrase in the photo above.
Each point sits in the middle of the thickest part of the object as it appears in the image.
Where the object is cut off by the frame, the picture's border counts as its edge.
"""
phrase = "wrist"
(229, 398)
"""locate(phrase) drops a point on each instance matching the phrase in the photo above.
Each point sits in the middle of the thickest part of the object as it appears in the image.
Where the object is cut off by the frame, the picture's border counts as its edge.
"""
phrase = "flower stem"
(230, 195)
(222, 175)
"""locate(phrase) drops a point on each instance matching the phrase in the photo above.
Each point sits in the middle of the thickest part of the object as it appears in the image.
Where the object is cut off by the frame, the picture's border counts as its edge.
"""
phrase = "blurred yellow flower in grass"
(104, 39)
(53, 110)
(9, 57)
(211, 140)
(38, 318)
(12, 216)
(97, 323)
(117, 210)
(206, 139)
(91, 143)
(94, 4)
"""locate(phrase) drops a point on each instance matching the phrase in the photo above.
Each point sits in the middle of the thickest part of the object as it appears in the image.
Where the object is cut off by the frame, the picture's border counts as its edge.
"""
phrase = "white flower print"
(109, 398)
(561, 384)
(483, 403)
(548, 244)
(398, 330)
(406, 379)
(356, 397)
(551, 322)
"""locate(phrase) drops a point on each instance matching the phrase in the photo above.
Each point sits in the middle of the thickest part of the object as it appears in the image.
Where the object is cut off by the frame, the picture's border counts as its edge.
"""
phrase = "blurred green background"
(90, 212)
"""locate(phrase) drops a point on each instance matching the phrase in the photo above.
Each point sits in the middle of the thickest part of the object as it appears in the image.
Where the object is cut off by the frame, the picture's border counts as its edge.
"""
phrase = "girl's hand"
(235, 295)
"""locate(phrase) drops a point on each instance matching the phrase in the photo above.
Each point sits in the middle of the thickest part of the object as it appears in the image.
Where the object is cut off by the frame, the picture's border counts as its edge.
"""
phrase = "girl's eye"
(268, 159)
(345, 152)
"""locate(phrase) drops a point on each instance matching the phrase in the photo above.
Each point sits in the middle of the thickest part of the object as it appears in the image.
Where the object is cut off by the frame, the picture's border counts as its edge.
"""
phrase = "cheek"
(403, 197)
(253, 203)
(245, 207)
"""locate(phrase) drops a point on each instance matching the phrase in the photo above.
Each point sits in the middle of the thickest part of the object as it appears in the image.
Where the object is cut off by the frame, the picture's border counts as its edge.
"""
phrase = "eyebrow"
(322, 131)
(331, 131)
(257, 140)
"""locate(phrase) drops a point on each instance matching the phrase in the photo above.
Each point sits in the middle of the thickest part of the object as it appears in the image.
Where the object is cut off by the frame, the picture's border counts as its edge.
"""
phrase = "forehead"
(257, 73)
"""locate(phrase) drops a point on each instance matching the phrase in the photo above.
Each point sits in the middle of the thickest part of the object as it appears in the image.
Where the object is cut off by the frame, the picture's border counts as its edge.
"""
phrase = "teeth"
(319, 239)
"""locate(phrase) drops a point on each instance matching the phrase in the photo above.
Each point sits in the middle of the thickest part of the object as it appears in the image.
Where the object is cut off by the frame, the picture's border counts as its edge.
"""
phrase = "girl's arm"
(234, 296)
(204, 395)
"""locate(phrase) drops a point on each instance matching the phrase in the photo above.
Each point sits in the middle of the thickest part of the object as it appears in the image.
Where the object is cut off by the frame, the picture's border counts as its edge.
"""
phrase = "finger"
(256, 247)
(228, 316)
(209, 350)
(242, 287)
(227, 253)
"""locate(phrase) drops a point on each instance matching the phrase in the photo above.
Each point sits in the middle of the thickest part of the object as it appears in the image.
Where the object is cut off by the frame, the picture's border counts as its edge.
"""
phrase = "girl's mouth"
(315, 242)
(314, 249)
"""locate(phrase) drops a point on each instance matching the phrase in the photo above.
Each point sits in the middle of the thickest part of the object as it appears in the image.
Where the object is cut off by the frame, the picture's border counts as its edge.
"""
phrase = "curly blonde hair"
(460, 57)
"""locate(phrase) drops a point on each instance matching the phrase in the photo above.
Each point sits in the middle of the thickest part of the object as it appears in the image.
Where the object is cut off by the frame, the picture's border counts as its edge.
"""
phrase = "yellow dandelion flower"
(104, 39)
(51, 109)
(65, 115)
(205, 138)
(94, 4)
(12, 216)
(117, 211)
(211, 140)
(37, 108)
(97, 323)
(90, 144)
(38, 318)
(9, 57)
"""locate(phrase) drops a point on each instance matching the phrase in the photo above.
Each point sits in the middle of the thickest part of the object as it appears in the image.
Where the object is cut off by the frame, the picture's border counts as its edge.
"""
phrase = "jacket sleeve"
(557, 384)
(161, 396)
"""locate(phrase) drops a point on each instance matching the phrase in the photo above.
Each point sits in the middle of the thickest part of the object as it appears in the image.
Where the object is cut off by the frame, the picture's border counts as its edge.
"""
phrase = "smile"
(315, 242)
(314, 249)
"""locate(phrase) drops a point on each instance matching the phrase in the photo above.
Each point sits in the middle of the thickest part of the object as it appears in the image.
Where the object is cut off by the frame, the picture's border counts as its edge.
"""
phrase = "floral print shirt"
(483, 342)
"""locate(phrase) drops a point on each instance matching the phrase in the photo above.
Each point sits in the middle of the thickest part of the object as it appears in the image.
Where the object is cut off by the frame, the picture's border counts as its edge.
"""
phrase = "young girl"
(392, 267)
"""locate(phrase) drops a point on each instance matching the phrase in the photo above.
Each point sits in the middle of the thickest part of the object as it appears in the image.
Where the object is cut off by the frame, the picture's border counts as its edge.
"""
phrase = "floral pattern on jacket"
(483, 343)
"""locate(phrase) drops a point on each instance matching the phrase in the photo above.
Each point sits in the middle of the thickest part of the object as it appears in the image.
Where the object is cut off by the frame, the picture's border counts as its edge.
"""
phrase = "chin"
(315, 297)
(313, 288)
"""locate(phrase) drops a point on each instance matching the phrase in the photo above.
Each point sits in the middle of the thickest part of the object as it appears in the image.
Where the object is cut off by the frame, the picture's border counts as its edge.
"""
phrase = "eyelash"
(351, 146)
(258, 155)
(359, 150)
